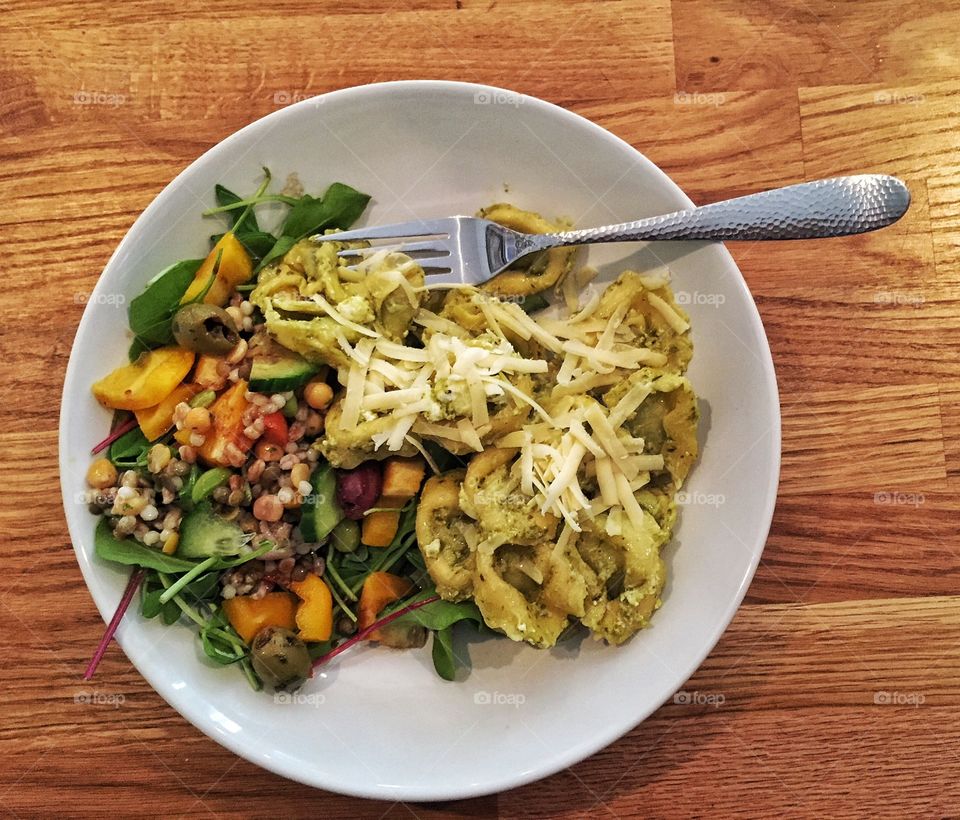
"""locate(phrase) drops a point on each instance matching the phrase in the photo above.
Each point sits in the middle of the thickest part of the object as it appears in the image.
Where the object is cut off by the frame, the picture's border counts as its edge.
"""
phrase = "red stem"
(136, 578)
(126, 427)
(362, 635)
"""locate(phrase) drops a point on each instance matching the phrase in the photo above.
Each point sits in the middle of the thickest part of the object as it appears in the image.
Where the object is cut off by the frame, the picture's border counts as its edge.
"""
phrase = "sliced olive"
(280, 658)
(205, 329)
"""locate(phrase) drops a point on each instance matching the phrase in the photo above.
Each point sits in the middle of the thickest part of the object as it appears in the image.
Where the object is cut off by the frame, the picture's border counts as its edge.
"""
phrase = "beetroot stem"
(362, 635)
(136, 578)
(126, 427)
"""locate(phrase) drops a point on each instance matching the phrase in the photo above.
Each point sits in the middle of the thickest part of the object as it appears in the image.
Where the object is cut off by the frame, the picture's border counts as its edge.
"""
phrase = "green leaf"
(238, 220)
(137, 347)
(438, 615)
(283, 244)
(339, 207)
(258, 243)
(152, 311)
(129, 450)
(444, 660)
(132, 553)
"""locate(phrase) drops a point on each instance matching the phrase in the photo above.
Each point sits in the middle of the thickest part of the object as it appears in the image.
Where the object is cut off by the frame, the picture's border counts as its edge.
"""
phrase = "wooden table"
(840, 676)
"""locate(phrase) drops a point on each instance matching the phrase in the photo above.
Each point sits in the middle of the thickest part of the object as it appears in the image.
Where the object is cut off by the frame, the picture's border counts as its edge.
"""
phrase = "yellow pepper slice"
(155, 421)
(249, 615)
(236, 267)
(315, 612)
(145, 382)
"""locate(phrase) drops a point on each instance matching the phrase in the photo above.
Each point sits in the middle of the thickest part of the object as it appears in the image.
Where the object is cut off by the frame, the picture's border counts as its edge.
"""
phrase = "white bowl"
(379, 723)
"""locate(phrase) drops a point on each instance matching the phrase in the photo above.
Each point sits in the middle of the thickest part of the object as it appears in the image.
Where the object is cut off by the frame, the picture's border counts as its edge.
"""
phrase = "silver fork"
(471, 250)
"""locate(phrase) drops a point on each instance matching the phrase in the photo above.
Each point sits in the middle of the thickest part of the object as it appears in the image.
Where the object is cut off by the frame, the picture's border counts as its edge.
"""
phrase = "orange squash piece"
(206, 373)
(248, 615)
(155, 421)
(380, 526)
(145, 382)
(236, 267)
(228, 427)
(380, 589)
(315, 612)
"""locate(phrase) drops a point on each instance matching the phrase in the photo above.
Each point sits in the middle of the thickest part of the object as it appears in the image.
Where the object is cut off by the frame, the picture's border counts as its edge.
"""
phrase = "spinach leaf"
(444, 660)
(283, 244)
(240, 221)
(150, 605)
(137, 346)
(339, 207)
(440, 614)
(131, 552)
(128, 451)
(152, 311)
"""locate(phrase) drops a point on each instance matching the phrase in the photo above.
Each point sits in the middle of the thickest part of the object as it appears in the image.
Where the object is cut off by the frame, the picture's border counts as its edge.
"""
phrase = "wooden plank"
(882, 439)
(738, 44)
(742, 141)
(909, 130)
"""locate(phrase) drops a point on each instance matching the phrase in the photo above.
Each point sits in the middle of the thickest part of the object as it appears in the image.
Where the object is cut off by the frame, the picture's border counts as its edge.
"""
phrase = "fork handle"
(828, 207)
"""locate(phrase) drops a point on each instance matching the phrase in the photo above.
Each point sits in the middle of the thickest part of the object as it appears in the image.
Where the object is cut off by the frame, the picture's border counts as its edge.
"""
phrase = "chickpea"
(158, 458)
(300, 472)
(268, 508)
(101, 474)
(318, 394)
(197, 420)
(268, 451)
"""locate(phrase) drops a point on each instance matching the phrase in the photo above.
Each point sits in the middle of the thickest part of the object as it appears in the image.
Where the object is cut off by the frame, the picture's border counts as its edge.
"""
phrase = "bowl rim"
(186, 707)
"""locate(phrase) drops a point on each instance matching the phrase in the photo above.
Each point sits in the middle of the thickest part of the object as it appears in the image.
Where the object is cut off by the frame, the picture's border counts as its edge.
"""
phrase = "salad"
(309, 451)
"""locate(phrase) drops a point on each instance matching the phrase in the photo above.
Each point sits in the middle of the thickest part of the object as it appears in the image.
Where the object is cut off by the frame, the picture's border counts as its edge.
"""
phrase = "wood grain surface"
(835, 691)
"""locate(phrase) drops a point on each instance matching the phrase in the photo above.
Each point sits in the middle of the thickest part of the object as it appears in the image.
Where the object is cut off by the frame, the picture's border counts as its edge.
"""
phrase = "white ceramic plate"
(379, 723)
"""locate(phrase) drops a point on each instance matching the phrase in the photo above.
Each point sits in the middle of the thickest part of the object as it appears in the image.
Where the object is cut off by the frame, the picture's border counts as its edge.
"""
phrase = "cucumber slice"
(276, 370)
(320, 512)
(204, 534)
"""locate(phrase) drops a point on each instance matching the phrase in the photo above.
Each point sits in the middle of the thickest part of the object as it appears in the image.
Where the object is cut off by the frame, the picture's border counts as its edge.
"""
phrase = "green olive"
(205, 329)
(345, 537)
(280, 658)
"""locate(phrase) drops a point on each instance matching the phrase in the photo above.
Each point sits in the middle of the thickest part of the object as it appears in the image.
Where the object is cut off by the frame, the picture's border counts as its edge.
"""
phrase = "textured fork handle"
(811, 210)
